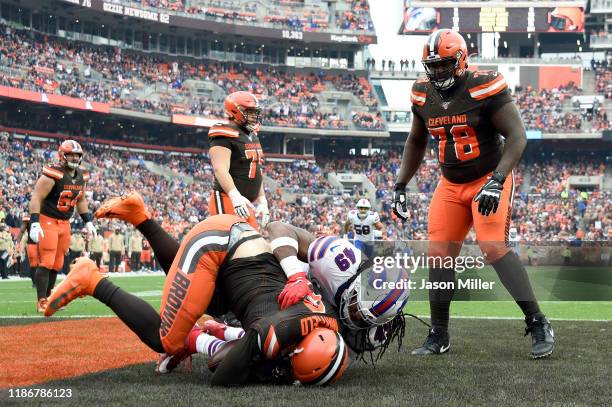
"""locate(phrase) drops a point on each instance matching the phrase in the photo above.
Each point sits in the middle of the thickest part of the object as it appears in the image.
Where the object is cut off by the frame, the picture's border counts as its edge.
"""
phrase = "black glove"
(490, 193)
(400, 206)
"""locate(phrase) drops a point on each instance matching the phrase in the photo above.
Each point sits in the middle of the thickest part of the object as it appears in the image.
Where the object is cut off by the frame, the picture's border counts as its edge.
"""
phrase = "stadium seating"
(299, 15)
(148, 84)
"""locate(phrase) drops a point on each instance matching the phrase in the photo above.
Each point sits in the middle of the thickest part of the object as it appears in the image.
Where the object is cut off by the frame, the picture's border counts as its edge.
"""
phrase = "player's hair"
(395, 329)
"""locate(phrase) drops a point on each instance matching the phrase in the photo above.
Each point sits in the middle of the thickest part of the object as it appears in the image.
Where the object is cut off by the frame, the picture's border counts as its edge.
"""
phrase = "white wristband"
(284, 241)
(291, 265)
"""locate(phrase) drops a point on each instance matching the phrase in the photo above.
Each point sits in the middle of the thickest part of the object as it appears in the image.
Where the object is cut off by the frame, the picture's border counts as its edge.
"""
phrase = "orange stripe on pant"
(55, 243)
(220, 203)
(453, 211)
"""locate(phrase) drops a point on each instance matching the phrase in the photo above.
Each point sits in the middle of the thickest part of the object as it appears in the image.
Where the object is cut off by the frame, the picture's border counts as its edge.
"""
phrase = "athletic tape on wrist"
(291, 265)
(284, 241)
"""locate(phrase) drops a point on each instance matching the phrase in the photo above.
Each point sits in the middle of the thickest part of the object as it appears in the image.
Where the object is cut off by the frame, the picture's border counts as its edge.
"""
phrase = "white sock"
(208, 344)
(232, 333)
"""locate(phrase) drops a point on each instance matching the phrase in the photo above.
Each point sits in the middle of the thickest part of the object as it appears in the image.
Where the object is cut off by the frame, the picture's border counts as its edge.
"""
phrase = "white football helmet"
(363, 206)
(367, 302)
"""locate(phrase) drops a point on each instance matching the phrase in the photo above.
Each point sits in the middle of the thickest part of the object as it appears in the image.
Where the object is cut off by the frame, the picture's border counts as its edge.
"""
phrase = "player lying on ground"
(334, 265)
(333, 262)
(480, 138)
(221, 252)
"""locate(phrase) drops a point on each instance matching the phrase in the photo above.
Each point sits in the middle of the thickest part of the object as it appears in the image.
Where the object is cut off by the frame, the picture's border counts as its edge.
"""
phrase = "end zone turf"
(488, 364)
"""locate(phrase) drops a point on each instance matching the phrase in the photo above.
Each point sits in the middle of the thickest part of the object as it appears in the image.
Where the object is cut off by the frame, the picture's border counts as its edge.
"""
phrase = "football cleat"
(129, 208)
(82, 280)
(40, 305)
(435, 344)
(542, 336)
(214, 328)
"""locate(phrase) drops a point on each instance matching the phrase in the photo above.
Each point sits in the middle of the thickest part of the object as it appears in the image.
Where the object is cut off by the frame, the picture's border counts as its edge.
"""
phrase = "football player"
(236, 156)
(334, 265)
(59, 190)
(364, 221)
(366, 325)
(223, 253)
(480, 139)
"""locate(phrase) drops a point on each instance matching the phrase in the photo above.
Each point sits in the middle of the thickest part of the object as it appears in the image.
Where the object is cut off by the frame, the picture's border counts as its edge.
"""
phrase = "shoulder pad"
(483, 84)
(418, 94)
(223, 130)
(52, 171)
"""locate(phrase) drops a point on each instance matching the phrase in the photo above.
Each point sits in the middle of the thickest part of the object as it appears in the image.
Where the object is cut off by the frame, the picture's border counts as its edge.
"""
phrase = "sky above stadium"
(387, 16)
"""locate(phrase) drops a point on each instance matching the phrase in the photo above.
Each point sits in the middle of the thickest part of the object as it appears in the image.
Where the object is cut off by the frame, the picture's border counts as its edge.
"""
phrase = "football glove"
(91, 229)
(295, 290)
(36, 232)
(400, 204)
(490, 193)
(240, 203)
(262, 211)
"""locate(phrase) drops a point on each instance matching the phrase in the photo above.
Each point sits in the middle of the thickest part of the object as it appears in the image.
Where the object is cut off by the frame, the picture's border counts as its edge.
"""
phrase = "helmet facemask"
(352, 311)
(442, 72)
(69, 160)
(363, 211)
(252, 117)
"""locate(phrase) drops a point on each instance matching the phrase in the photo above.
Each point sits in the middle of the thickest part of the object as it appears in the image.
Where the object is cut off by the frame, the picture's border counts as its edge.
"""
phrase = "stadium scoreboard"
(493, 19)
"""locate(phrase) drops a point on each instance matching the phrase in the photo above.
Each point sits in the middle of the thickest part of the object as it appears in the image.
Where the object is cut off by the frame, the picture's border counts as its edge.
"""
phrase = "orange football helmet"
(445, 58)
(73, 148)
(243, 108)
(320, 358)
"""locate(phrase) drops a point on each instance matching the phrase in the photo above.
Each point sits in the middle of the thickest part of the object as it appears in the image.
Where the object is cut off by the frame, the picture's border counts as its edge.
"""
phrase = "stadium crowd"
(43, 64)
(292, 14)
(289, 99)
(543, 211)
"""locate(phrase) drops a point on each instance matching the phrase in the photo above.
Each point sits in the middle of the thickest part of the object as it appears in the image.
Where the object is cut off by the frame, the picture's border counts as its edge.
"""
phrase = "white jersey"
(364, 228)
(332, 262)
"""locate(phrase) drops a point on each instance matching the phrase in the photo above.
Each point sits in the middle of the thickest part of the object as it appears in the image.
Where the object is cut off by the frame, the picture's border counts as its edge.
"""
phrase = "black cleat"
(435, 344)
(542, 336)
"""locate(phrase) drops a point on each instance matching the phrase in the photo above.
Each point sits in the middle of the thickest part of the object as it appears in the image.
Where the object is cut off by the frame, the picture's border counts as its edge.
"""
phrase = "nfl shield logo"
(445, 104)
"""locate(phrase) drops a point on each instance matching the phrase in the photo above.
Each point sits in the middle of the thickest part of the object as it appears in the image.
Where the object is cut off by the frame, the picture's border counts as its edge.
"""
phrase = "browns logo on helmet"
(445, 58)
(243, 109)
(70, 154)
(320, 358)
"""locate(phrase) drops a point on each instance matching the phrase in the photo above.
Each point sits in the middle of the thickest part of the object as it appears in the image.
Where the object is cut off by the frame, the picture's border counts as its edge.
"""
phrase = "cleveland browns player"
(60, 189)
(236, 156)
(480, 139)
(222, 256)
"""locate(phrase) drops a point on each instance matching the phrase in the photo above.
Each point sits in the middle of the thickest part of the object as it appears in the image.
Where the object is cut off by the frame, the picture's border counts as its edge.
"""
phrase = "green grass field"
(488, 364)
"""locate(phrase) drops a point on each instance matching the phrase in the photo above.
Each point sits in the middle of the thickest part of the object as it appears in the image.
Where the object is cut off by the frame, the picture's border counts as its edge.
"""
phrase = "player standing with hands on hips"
(480, 138)
(236, 156)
